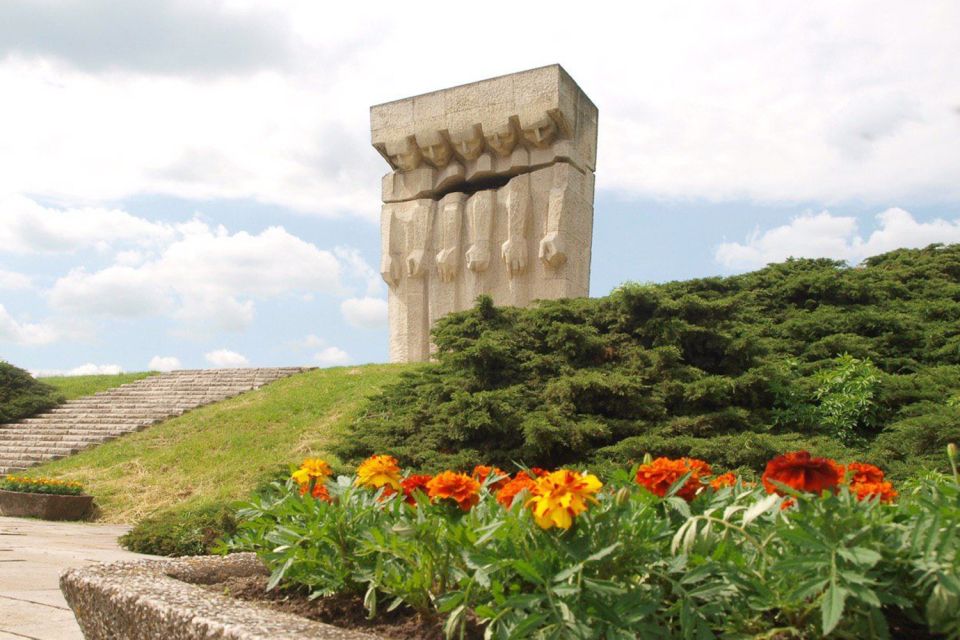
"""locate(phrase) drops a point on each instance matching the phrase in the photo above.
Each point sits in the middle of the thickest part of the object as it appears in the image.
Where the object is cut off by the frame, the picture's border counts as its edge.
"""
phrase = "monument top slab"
(538, 105)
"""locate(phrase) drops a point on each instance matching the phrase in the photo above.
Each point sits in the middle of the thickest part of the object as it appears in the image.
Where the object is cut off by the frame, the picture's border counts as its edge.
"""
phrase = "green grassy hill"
(220, 453)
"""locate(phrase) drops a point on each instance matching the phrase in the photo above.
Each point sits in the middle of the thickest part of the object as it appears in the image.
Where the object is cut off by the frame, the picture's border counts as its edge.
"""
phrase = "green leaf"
(759, 508)
(527, 571)
(831, 607)
(861, 556)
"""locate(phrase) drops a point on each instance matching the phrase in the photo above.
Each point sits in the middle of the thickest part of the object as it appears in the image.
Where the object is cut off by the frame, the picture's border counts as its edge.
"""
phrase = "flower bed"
(669, 549)
(45, 498)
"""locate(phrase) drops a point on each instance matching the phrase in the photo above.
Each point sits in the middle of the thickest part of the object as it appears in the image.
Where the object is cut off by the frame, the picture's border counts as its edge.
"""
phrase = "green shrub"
(189, 532)
(803, 354)
(21, 395)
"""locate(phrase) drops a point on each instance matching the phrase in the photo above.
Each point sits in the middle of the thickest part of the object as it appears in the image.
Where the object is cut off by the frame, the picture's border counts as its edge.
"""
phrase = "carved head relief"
(435, 148)
(468, 143)
(502, 139)
(540, 133)
(404, 154)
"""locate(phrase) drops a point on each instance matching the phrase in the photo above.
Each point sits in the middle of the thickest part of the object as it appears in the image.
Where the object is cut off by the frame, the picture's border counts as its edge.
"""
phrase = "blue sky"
(190, 184)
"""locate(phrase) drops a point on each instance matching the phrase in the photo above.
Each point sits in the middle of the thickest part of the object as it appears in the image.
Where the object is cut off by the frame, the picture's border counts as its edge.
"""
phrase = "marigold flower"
(538, 472)
(799, 471)
(509, 491)
(482, 472)
(560, 496)
(862, 472)
(312, 469)
(459, 487)
(319, 491)
(727, 479)
(658, 476)
(413, 483)
(379, 471)
(865, 490)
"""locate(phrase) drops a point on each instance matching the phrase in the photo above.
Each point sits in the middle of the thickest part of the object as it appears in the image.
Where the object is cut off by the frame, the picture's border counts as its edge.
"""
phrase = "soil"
(341, 610)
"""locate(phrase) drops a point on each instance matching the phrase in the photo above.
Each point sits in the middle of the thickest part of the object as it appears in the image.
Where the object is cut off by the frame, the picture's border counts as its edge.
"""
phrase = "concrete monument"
(491, 192)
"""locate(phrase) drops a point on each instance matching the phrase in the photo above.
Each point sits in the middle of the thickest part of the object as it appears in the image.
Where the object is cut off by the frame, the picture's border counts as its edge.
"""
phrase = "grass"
(78, 386)
(221, 452)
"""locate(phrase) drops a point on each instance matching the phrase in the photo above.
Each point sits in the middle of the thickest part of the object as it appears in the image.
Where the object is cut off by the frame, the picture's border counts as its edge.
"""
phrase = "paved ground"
(32, 555)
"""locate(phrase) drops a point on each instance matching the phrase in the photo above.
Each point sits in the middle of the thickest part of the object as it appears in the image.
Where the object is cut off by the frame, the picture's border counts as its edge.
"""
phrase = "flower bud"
(647, 458)
(952, 451)
(621, 497)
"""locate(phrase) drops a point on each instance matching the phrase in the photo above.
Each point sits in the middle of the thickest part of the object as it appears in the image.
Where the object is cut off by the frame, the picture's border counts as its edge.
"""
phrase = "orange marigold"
(319, 491)
(415, 482)
(798, 470)
(657, 476)
(727, 479)
(560, 496)
(509, 491)
(482, 472)
(379, 471)
(865, 490)
(459, 487)
(861, 472)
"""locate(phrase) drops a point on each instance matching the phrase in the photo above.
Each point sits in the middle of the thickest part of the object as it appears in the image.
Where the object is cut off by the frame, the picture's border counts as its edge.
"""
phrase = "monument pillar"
(490, 192)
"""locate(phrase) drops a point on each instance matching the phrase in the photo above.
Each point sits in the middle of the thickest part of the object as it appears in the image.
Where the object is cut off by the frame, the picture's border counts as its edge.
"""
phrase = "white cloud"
(331, 357)
(367, 313)
(824, 235)
(312, 342)
(226, 359)
(88, 369)
(204, 277)
(14, 280)
(27, 227)
(742, 99)
(164, 363)
(24, 333)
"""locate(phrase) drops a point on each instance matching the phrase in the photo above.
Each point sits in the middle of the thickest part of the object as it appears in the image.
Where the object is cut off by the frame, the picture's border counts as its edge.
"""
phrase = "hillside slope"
(220, 453)
(857, 362)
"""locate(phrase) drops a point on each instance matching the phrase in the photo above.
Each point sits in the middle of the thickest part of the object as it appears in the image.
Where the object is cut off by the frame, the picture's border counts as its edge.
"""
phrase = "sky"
(190, 183)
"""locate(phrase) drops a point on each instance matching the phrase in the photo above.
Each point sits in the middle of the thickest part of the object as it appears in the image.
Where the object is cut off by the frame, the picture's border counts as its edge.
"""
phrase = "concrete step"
(85, 422)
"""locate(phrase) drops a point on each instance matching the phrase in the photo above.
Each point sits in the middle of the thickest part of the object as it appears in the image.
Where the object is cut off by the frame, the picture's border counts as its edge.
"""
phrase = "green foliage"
(182, 532)
(732, 563)
(21, 395)
(850, 362)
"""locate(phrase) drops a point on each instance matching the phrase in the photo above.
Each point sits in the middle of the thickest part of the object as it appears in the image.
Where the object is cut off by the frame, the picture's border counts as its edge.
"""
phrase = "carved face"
(434, 148)
(541, 132)
(404, 154)
(468, 144)
(502, 139)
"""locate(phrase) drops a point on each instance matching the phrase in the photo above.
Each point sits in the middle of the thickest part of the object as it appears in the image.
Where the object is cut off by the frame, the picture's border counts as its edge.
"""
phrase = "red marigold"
(659, 475)
(509, 491)
(861, 472)
(538, 472)
(723, 480)
(865, 490)
(319, 491)
(458, 487)
(801, 472)
(482, 472)
(414, 483)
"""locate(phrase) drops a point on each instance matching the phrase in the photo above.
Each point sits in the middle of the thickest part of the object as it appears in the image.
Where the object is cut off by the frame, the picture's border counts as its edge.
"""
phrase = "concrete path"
(32, 555)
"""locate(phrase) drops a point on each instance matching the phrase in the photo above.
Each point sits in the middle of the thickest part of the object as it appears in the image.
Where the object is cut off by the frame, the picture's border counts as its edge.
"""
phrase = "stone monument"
(491, 192)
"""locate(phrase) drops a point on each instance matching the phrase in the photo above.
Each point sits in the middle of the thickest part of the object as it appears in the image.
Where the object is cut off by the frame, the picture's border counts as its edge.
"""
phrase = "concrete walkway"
(32, 555)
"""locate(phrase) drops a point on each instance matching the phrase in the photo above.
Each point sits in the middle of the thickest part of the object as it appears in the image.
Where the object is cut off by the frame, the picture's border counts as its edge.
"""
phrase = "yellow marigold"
(460, 487)
(379, 471)
(312, 469)
(560, 496)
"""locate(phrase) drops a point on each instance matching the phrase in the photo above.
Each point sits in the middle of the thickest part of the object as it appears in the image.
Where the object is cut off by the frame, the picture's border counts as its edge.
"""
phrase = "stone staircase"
(87, 422)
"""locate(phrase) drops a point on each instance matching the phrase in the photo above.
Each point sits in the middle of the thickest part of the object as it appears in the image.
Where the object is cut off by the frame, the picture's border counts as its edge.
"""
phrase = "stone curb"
(150, 599)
